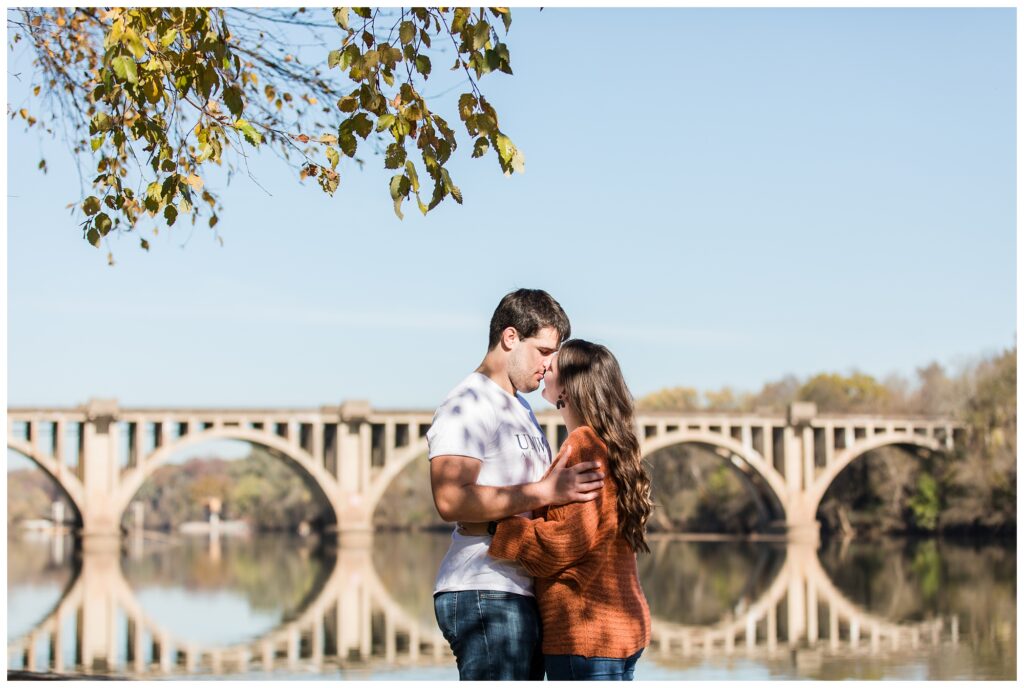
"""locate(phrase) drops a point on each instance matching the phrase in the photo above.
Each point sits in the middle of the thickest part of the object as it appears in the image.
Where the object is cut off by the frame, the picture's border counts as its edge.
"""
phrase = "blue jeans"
(577, 668)
(495, 635)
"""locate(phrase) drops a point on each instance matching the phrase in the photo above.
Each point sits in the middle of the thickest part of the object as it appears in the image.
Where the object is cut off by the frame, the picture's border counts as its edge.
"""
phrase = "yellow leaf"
(194, 181)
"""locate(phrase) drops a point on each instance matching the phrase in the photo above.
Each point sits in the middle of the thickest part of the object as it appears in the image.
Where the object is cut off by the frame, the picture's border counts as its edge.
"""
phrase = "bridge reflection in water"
(800, 608)
(352, 621)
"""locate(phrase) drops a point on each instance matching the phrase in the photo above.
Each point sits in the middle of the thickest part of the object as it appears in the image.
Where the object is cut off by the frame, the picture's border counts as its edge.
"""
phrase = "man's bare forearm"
(474, 503)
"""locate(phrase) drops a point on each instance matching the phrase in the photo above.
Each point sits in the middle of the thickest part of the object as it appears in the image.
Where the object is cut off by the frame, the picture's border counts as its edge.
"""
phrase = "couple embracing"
(541, 574)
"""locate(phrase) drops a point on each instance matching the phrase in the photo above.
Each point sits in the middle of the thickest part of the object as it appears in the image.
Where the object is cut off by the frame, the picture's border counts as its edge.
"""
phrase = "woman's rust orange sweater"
(585, 573)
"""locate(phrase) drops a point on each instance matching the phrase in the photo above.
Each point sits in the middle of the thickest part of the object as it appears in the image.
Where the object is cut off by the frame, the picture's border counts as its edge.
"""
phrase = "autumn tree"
(833, 392)
(157, 97)
(670, 399)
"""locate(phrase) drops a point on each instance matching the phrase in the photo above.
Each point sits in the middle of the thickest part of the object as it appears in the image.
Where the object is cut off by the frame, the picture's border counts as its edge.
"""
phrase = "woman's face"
(552, 388)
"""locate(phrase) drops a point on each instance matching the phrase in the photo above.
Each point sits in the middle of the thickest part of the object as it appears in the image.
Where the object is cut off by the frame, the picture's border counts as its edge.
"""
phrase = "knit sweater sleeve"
(546, 546)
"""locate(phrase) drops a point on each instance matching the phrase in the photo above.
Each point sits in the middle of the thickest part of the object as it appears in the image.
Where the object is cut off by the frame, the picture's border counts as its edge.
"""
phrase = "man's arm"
(458, 497)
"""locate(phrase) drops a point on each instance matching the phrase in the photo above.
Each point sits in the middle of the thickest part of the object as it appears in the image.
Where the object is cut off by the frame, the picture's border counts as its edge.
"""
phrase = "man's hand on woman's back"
(581, 482)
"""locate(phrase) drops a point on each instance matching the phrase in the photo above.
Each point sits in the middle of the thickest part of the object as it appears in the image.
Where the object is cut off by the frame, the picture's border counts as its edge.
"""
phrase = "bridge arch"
(751, 462)
(847, 456)
(416, 450)
(63, 476)
(315, 475)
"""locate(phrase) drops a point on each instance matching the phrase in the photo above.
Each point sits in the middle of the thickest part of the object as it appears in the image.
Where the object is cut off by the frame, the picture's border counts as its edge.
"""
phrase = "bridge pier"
(99, 542)
(804, 533)
(355, 536)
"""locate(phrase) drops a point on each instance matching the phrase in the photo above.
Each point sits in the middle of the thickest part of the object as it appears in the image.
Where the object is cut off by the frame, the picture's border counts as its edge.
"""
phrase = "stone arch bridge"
(101, 454)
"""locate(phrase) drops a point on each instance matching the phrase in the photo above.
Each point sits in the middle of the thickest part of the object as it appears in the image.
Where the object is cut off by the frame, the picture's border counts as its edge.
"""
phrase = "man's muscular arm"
(458, 497)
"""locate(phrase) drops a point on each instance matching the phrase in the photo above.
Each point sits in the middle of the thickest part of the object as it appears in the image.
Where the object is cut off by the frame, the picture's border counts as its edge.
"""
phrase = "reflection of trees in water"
(31, 562)
(273, 572)
(407, 565)
(701, 583)
(909, 580)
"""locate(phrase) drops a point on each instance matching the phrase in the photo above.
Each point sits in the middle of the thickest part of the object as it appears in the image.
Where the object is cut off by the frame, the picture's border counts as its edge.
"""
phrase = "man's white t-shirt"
(481, 420)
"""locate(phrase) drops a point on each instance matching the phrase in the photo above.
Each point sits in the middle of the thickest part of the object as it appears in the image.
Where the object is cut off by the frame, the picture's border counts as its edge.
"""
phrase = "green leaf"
(170, 214)
(414, 178)
(333, 157)
(505, 147)
(250, 133)
(399, 191)
(385, 122)
(346, 139)
(467, 103)
(459, 19)
(102, 224)
(348, 55)
(518, 163)
(450, 187)
(169, 189)
(407, 32)
(152, 89)
(395, 156)
(208, 80)
(125, 69)
(399, 186)
(481, 32)
(361, 124)
(233, 99)
(91, 205)
(93, 237)
(480, 147)
(333, 58)
(348, 104)
(97, 142)
(168, 38)
(134, 43)
(423, 65)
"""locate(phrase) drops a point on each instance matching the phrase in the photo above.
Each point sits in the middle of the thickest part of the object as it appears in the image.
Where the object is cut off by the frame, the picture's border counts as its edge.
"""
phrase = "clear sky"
(720, 196)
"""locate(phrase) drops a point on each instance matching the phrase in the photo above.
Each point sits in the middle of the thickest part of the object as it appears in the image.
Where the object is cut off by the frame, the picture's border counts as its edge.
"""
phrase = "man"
(488, 456)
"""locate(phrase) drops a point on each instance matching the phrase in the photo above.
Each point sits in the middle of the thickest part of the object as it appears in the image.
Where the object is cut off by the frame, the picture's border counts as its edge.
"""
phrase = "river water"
(281, 607)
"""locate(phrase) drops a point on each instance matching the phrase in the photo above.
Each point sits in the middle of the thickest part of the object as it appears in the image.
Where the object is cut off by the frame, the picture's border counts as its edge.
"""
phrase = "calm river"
(276, 607)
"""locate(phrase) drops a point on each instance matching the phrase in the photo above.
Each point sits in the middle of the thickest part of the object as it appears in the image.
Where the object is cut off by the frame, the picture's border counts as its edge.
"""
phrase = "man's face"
(530, 358)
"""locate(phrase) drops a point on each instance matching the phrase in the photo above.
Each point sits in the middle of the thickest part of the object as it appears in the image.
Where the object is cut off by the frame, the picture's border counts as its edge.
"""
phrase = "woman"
(595, 618)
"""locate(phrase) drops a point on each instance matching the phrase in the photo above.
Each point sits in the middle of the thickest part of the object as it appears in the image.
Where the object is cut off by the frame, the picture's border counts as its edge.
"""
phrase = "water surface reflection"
(280, 607)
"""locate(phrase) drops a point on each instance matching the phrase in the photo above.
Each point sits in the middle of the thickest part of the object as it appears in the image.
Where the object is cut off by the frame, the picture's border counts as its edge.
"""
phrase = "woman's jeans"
(577, 668)
(495, 635)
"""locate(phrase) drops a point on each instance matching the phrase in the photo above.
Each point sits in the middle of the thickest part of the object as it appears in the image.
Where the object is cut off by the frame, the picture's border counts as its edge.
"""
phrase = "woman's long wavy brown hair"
(592, 382)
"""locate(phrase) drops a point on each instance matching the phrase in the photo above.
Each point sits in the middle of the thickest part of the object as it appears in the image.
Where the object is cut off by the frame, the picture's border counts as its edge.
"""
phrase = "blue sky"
(720, 196)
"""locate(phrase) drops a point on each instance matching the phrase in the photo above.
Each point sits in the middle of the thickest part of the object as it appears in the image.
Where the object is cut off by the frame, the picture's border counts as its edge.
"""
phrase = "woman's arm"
(545, 547)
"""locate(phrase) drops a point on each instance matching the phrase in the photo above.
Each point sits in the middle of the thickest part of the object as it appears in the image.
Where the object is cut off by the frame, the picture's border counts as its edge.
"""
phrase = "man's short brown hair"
(529, 311)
